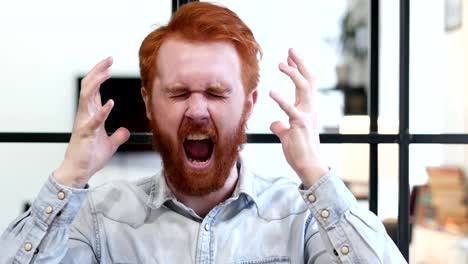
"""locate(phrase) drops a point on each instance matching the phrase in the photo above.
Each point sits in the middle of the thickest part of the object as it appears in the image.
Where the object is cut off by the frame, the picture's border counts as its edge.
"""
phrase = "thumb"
(278, 128)
(119, 137)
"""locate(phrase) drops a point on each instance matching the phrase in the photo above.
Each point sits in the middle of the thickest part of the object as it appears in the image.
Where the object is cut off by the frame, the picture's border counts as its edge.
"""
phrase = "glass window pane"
(438, 66)
(389, 35)
(388, 182)
(48, 45)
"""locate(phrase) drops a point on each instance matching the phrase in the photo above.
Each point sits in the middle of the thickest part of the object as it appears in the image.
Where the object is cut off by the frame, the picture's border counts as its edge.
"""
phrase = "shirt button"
(28, 246)
(49, 209)
(207, 227)
(311, 198)
(325, 213)
(61, 195)
(344, 250)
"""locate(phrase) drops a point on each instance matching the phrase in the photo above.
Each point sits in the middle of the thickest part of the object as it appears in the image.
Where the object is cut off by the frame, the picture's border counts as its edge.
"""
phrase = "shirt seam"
(95, 220)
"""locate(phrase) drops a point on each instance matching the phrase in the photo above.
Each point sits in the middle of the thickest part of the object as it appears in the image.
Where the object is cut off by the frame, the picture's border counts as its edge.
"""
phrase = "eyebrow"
(178, 88)
(218, 88)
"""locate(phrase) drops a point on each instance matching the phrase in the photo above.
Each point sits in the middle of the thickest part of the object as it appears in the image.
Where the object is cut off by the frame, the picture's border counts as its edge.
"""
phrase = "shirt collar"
(245, 184)
(160, 191)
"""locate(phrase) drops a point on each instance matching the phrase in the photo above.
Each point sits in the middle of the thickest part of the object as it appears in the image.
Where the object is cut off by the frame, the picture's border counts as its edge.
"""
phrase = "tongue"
(197, 149)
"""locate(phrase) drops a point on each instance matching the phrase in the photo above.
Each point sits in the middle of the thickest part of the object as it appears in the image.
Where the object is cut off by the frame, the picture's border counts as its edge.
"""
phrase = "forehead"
(198, 63)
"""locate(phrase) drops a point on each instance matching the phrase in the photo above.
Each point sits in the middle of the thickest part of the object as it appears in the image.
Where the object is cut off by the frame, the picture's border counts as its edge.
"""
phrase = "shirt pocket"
(269, 260)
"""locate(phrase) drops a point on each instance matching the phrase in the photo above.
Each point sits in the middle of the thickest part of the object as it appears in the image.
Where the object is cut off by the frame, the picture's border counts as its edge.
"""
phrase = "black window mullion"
(403, 184)
(176, 4)
(439, 139)
(145, 138)
(327, 138)
(374, 104)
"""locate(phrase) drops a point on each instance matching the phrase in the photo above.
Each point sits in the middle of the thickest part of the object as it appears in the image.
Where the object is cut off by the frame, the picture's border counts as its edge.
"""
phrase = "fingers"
(101, 115)
(294, 74)
(291, 63)
(119, 137)
(300, 65)
(287, 107)
(278, 128)
(297, 70)
(93, 80)
(94, 83)
(302, 85)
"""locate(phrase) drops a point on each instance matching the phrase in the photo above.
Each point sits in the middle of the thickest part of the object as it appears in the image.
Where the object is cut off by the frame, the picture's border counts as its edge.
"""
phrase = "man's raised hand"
(300, 138)
(90, 147)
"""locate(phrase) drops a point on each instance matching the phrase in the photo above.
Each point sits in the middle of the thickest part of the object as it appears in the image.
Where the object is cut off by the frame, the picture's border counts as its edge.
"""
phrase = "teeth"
(197, 137)
(197, 162)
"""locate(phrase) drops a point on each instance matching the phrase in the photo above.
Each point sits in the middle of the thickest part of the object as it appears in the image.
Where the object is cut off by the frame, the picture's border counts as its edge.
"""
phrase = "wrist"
(69, 177)
(311, 175)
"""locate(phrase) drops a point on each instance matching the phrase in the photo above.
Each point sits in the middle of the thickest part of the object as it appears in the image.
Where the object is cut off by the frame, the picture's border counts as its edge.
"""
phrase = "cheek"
(227, 117)
(168, 118)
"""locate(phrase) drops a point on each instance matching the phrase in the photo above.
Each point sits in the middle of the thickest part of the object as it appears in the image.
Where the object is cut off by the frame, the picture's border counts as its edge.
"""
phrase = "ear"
(147, 100)
(251, 100)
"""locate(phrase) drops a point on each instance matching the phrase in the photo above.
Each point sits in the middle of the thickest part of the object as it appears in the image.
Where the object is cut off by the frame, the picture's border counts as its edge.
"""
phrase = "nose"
(197, 109)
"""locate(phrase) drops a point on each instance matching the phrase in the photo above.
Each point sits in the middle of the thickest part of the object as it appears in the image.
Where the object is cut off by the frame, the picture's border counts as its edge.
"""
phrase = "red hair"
(201, 22)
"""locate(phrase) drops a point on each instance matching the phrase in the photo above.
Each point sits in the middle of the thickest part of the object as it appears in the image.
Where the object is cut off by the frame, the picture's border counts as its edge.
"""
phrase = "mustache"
(192, 127)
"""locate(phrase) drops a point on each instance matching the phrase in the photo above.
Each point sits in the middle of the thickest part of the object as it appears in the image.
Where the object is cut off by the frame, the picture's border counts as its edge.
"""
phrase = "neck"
(202, 205)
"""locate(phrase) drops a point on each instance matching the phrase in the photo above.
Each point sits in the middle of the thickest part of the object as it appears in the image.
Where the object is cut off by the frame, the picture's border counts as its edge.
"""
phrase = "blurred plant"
(354, 35)
(352, 45)
(354, 38)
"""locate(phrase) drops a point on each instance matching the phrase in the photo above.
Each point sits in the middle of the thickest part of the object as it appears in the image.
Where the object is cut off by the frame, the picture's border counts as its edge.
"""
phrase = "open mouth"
(198, 149)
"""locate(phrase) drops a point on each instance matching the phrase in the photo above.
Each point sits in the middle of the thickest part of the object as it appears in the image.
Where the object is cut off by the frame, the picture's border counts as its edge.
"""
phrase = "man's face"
(198, 112)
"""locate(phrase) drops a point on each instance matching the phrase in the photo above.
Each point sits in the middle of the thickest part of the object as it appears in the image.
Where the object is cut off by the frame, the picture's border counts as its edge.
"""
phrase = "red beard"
(187, 180)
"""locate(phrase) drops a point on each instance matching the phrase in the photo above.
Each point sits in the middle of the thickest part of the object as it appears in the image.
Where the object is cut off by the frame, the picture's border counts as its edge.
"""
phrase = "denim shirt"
(265, 221)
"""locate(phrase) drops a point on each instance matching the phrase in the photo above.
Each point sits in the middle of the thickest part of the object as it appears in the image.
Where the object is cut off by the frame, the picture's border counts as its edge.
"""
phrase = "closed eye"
(180, 96)
(216, 96)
